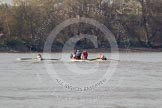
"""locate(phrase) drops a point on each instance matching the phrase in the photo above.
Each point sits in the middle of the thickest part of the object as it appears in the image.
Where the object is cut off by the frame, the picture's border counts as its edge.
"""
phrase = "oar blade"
(51, 59)
(24, 58)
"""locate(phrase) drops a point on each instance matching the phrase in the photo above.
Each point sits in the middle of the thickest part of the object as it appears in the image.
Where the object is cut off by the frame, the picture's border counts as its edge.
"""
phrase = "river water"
(133, 82)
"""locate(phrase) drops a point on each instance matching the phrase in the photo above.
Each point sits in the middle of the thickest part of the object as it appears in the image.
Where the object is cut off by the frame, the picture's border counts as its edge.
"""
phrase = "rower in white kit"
(39, 57)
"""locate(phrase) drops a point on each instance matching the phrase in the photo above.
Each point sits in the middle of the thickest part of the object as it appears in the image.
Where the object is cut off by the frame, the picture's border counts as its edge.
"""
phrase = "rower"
(39, 57)
(78, 55)
(73, 55)
(101, 56)
(85, 55)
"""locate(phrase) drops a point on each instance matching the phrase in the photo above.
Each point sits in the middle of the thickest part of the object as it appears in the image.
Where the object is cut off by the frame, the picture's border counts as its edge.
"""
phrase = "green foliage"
(14, 43)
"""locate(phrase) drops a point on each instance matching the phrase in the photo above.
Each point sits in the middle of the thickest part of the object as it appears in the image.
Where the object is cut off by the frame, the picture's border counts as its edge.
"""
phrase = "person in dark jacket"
(78, 55)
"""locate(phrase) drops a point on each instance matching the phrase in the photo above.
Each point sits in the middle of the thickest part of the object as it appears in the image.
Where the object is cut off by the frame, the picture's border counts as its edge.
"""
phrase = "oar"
(51, 59)
(98, 59)
(92, 59)
(34, 59)
(113, 59)
(26, 58)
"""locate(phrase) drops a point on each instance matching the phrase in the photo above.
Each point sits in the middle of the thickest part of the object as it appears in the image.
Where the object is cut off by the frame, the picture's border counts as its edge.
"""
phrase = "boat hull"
(97, 60)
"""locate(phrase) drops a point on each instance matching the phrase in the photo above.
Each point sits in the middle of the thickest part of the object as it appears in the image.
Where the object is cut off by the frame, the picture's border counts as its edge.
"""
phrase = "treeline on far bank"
(25, 25)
